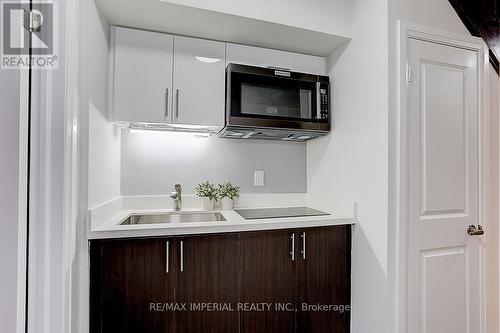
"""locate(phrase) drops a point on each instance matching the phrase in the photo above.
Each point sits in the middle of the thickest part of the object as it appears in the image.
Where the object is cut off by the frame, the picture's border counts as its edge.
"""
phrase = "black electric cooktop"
(270, 213)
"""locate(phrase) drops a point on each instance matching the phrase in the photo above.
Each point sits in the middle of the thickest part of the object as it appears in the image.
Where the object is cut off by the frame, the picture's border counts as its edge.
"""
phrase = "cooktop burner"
(270, 213)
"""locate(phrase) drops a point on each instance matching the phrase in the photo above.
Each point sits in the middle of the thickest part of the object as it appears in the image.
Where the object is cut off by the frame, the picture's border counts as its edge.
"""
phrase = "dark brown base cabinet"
(294, 280)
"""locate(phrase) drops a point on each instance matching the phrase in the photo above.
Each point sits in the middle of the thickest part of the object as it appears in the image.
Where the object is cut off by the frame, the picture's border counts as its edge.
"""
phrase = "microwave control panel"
(324, 102)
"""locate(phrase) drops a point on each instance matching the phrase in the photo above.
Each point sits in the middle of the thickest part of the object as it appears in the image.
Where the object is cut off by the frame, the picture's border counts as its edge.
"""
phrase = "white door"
(142, 76)
(199, 81)
(443, 164)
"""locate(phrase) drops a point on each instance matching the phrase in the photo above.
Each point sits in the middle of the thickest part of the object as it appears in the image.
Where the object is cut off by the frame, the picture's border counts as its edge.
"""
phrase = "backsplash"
(153, 162)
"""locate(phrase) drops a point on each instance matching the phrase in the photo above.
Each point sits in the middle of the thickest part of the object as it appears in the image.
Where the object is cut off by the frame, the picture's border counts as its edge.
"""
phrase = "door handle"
(292, 253)
(303, 251)
(473, 231)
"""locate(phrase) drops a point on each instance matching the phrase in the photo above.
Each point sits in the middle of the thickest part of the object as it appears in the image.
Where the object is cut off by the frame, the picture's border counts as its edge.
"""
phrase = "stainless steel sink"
(174, 217)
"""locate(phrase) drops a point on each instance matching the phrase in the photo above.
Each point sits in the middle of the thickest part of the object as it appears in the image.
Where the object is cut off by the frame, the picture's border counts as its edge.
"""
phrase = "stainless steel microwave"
(275, 103)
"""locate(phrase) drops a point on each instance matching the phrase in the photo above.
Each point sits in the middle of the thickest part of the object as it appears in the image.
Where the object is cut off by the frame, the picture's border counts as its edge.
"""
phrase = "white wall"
(104, 159)
(153, 162)
(351, 164)
(93, 98)
(435, 13)
(330, 16)
(104, 139)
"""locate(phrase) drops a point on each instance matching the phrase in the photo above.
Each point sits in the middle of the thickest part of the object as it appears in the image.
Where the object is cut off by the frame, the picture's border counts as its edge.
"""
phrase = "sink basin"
(174, 217)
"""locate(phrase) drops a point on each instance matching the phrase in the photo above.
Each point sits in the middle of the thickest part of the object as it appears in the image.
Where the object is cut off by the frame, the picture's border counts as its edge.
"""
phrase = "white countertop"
(234, 223)
(104, 220)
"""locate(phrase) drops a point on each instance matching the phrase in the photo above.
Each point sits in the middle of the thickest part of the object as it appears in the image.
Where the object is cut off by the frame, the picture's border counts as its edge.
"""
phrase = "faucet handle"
(177, 196)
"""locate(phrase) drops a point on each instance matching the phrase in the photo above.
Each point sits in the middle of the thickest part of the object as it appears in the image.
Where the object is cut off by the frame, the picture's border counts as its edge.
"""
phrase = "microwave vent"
(232, 132)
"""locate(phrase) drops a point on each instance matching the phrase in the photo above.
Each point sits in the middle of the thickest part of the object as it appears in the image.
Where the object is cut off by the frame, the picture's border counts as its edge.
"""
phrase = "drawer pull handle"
(167, 250)
(182, 256)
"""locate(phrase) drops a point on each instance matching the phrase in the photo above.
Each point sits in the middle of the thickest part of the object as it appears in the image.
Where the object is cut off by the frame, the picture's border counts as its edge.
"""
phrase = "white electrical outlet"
(258, 178)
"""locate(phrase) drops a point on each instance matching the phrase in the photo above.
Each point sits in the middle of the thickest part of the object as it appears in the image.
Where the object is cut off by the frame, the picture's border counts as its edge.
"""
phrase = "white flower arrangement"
(206, 189)
(228, 190)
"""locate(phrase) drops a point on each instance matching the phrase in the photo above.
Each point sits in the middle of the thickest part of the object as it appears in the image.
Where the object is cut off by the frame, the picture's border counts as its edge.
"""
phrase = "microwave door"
(273, 98)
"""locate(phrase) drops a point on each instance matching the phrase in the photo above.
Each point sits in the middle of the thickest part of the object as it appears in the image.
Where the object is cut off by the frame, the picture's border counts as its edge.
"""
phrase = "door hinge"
(32, 20)
(408, 74)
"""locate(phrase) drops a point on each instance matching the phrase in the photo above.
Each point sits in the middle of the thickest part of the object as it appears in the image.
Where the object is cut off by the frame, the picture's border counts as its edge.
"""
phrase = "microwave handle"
(318, 100)
(279, 68)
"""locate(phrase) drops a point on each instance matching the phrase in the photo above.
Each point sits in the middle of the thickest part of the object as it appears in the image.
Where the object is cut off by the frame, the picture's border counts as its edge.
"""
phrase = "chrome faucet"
(177, 196)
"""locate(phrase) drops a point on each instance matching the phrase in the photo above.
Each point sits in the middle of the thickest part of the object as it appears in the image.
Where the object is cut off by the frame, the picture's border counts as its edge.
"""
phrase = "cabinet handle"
(177, 103)
(303, 251)
(166, 103)
(182, 256)
(292, 237)
(167, 251)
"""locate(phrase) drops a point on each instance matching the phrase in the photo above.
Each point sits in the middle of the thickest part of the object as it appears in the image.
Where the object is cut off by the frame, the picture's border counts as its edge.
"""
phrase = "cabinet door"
(261, 57)
(208, 275)
(142, 76)
(323, 277)
(267, 275)
(130, 286)
(199, 81)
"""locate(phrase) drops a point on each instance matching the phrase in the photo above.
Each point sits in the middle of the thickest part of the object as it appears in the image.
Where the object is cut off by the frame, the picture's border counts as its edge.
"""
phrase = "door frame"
(53, 186)
(22, 218)
(398, 198)
(22, 206)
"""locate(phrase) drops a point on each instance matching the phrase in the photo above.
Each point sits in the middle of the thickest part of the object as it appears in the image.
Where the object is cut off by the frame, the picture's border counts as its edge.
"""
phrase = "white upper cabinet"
(199, 81)
(142, 78)
(165, 79)
(261, 57)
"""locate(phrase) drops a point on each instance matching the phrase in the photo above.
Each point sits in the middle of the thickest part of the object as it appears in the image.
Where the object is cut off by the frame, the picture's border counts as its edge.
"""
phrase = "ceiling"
(481, 17)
